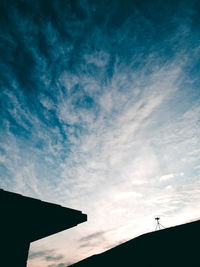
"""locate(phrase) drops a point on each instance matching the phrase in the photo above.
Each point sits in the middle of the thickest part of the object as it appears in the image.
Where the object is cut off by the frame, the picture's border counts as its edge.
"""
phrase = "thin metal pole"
(158, 225)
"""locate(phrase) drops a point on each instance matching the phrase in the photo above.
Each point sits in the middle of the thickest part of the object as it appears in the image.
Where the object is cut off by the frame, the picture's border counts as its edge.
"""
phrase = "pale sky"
(100, 108)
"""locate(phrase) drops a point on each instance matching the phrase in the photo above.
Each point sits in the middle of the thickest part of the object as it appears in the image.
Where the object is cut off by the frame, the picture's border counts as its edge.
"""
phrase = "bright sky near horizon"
(100, 112)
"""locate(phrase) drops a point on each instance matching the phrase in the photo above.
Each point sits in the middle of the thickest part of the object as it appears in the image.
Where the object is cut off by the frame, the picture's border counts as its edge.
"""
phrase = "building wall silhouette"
(24, 220)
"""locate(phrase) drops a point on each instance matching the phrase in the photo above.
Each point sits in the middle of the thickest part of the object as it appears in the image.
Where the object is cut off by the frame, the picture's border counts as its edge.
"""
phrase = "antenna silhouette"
(158, 224)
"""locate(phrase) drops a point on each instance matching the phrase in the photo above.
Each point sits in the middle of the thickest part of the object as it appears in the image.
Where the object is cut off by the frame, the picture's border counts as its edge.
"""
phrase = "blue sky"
(100, 107)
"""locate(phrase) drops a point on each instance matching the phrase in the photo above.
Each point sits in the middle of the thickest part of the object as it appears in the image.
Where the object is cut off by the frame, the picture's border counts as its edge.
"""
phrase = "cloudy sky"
(100, 112)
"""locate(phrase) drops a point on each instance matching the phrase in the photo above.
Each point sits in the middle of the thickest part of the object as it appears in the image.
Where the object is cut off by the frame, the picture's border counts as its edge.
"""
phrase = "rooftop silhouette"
(24, 220)
(175, 247)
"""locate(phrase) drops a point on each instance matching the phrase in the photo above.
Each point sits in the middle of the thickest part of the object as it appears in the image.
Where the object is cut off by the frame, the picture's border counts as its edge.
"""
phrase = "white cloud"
(127, 195)
(100, 59)
(139, 182)
(167, 177)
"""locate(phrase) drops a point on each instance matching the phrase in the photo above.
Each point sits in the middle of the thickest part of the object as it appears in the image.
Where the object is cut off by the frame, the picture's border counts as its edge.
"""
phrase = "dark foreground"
(24, 220)
(175, 246)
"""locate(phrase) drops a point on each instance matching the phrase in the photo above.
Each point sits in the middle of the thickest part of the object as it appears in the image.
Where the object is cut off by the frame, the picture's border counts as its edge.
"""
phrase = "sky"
(99, 112)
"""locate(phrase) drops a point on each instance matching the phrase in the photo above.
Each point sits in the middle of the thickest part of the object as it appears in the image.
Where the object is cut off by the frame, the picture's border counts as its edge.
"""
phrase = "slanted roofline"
(25, 219)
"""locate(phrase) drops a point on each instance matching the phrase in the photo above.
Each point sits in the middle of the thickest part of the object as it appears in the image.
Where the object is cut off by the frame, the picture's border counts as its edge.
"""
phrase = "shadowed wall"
(24, 220)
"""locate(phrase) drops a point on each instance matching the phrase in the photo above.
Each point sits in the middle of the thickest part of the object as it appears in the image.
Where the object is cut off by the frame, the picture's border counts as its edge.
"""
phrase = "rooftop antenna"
(158, 224)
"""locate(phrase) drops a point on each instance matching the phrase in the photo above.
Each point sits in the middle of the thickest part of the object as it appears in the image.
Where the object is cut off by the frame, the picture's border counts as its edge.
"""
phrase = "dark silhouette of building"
(177, 246)
(24, 220)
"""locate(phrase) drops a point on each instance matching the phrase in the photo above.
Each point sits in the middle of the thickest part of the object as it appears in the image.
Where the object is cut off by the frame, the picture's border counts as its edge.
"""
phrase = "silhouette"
(24, 220)
(170, 247)
(158, 224)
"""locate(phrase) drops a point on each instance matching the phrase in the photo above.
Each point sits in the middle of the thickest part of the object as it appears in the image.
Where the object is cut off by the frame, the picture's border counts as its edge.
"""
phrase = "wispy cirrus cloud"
(93, 239)
(101, 113)
(46, 256)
